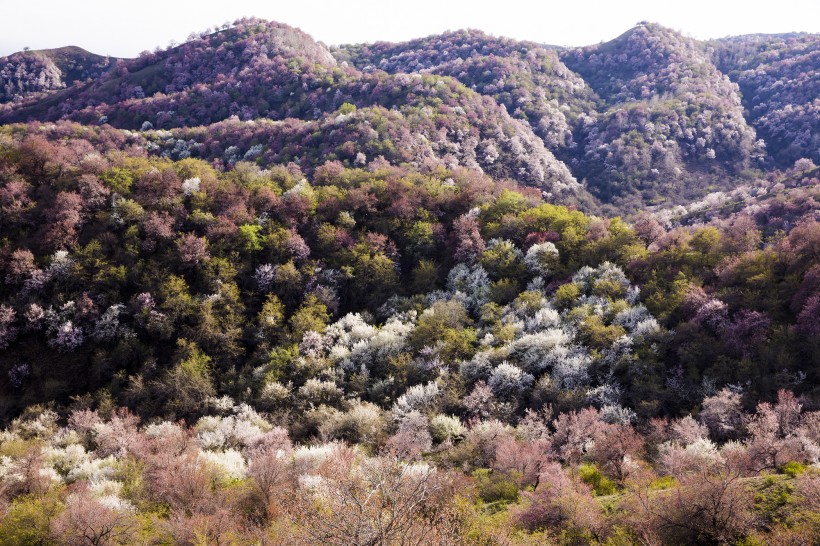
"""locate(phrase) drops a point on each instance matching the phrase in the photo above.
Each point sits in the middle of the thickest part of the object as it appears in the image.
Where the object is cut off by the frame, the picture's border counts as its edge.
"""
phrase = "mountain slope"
(528, 79)
(269, 70)
(645, 119)
(28, 74)
(780, 84)
(672, 124)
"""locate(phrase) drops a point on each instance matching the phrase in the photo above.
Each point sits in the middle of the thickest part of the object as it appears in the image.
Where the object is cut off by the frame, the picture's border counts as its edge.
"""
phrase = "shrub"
(600, 484)
(497, 488)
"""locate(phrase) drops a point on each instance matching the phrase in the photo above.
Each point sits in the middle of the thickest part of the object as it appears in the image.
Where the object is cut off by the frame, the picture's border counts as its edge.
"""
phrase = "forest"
(459, 290)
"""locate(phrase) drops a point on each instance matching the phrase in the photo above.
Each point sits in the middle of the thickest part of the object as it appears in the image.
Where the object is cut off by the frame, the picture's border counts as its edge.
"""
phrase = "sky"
(124, 29)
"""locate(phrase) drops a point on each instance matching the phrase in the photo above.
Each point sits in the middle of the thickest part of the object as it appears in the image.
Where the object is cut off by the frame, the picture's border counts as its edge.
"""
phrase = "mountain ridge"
(666, 126)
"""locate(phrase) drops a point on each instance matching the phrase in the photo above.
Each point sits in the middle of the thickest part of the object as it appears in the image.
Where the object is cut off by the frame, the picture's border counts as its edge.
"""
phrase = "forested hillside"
(32, 74)
(461, 290)
(777, 75)
(649, 118)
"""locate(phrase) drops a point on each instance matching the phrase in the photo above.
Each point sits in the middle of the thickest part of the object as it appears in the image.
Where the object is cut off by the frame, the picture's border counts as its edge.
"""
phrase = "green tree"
(188, 383)
(312, 315)
(249, 239)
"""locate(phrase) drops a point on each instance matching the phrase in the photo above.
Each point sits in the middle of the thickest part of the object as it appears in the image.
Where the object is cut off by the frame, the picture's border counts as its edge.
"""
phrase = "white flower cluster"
(508, 382)
(190, 186)
(108, 327)
(416, 398)
(229, 464)
(470, 285)
(541, 258)
(354, 345)
(245, 427)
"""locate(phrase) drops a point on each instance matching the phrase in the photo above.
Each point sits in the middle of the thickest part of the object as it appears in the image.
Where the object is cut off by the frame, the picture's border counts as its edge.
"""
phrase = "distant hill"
(529, 80)
(644, 119)
(32, 73)
(780, 86)
(651, 117)
(269, 70)
(672, 123)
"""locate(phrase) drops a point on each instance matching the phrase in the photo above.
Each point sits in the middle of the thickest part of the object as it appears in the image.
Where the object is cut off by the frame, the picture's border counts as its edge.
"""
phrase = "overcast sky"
(124, 29)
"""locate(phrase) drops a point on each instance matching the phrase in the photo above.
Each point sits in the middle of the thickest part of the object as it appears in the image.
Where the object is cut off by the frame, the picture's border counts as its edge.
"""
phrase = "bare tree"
(378, 501)
(707, 507)
(87, 521)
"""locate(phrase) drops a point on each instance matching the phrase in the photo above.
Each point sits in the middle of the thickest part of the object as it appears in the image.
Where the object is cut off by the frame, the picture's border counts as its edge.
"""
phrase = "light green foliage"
(601, 485)
(118, 180)
(249, 239)
(311, 315)
(425, 276)
(347, 108)
(189, 382)
(503, 260)
(271, 317)
(27, 521)
(446, 322)
(793, 469)
(496, 488)
(504, 290)
(567, 294)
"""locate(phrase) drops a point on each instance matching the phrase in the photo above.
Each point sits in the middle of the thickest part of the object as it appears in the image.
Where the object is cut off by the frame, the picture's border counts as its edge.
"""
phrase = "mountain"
(460, 290)
(30, 74)
(671, 124)
(650, 117)
(645, 118)
(268, 70)
(528, 79)
(780, 86)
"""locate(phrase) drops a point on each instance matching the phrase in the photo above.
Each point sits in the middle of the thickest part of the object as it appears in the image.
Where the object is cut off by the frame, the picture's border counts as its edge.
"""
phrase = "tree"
(272, 474)
(707, 507)
(311, 316)
(192, 250)
(64, 220)
(14, 200)
(559, 502)
(723, 414)
(615, 449)
(509, 383)
(774, 437)
(188, 384)
(648, 228)
(502, 259)
(466, 238)
(527, 459)
(29, 520)
(574, 433)
(86, 520)
(412, 437)
(425, 276)
(8, 332)
(542, 258)
(445, 323)
(20, 266)
(271, 318)
(374, 275)
(375, 501)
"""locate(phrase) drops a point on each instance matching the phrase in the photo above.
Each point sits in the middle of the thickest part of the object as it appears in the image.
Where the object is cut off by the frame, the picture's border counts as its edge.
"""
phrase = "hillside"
(31, 74)
(672, 123)
(460, 290)
(647, 118)
(529, 80)
(267, 70)
(780, 85)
